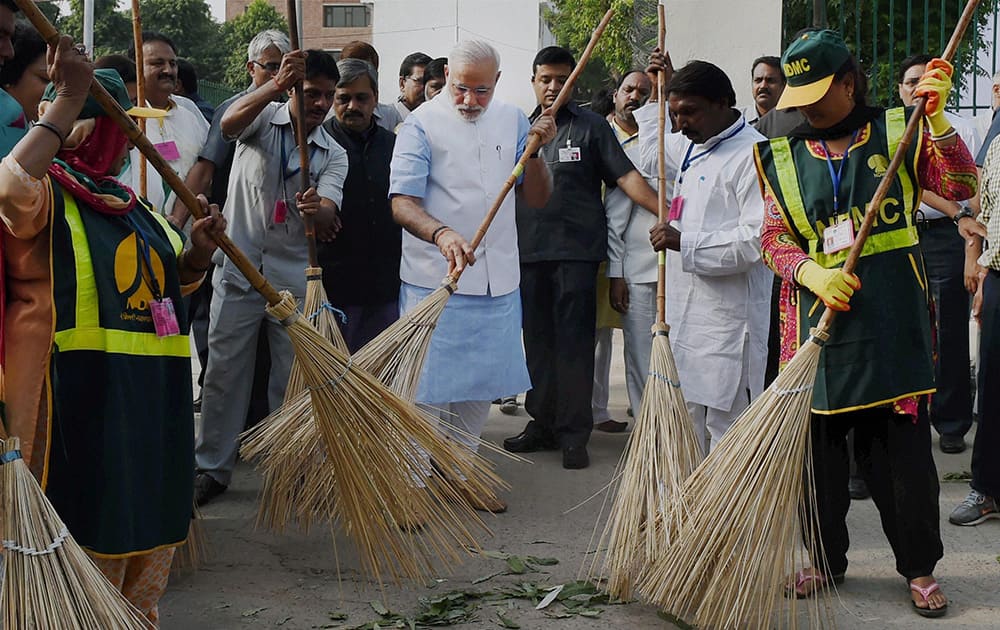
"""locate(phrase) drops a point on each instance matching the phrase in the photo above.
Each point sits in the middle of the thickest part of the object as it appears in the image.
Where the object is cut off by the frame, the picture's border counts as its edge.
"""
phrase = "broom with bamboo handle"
(663, 449)
(140, 87)
(734, 572)
(317, 305)
(374, 438)
(48, 579)
(396, 357)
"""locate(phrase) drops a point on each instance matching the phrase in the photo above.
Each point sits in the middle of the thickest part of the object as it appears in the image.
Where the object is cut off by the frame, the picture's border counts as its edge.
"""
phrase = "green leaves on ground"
(965, 475)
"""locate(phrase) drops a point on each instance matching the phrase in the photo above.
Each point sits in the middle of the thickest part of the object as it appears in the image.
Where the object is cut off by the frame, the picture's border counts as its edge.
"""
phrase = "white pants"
(637, 325)
(718, 421)
(468, 417)
(234, 323)
(602, 374)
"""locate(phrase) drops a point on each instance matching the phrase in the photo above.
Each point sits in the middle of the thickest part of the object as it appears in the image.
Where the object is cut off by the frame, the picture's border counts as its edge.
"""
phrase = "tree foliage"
(881, 40)
(238, 32)
(624, 45)
(187, 22)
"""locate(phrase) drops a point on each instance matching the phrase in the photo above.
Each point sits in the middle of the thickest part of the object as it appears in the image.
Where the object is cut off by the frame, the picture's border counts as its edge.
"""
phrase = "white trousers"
(461, 421)
(602, 374)
(718, 421)
(637, 325)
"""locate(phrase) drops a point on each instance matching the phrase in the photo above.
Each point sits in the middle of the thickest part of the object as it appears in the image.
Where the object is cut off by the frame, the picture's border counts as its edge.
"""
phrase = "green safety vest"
(880, 350)
(120, 457)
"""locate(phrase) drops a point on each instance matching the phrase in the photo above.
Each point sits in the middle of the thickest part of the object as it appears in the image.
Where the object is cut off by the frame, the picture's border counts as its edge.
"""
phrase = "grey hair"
(264, 40)
(473, 52)
(353, 69)
(996, 79)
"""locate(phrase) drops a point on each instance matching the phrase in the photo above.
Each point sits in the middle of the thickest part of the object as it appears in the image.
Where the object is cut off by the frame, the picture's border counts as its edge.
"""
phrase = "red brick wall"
(313, 35)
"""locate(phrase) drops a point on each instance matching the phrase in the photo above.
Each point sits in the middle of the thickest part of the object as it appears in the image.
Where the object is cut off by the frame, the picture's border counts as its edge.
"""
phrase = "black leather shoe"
(575, 457)
(206, 488)
(858, 489)
(525, 442)
(952, 444)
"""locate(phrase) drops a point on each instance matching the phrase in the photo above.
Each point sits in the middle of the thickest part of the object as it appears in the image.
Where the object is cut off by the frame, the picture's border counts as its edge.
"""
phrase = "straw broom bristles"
(319, 311)
(48, 580)
(661, 454)
(377, 444)
(741, 537)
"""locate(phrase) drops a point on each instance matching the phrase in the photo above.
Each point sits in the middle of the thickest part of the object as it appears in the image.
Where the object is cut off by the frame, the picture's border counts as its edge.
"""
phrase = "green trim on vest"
(879, 351)
(87, 334)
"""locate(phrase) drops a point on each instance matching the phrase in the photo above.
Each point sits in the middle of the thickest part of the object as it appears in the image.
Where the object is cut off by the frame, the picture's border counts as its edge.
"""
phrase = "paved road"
(257, 579)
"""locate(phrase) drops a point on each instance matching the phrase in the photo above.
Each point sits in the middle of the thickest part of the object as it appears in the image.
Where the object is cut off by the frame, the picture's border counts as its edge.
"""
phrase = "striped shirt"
(989, 190)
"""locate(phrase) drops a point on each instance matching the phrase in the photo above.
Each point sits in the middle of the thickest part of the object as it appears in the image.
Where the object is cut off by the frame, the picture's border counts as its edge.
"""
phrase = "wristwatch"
(964, 212)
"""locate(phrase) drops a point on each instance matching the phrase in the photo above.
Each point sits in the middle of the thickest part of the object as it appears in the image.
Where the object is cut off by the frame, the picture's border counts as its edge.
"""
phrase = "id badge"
(838, 236)
(280, 211)
(168, 150)
(569, 154)
(164, 317)
(676, 208)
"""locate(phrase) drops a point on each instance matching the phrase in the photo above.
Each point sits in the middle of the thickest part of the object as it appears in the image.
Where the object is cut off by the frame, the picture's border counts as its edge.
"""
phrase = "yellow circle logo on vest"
(132, 276)
(879, 164)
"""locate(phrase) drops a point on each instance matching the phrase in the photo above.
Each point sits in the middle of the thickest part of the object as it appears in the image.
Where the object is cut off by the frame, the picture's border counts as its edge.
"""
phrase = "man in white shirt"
(451, 158)
(718, 289)
(944, 256)
(411, 83)
(632, 267)
(178, 136)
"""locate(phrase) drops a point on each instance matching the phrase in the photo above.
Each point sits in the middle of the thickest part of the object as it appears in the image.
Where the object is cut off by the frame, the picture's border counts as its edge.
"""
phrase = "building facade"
(326, 25)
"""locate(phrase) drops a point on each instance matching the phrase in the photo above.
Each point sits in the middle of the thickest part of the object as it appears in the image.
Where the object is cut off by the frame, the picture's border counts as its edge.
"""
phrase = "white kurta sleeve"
(734, 250)
(619, 210)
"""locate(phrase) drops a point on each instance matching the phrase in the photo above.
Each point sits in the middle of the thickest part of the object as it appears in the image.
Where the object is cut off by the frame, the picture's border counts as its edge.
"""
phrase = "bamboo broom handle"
(123, 120)
(140, 86)
(300, 137)
(661, 176)
(534, 142)
(883, 188)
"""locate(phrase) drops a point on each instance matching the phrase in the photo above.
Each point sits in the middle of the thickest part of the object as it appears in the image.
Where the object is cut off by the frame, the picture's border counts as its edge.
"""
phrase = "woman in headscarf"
(877, 362)
(96, 356)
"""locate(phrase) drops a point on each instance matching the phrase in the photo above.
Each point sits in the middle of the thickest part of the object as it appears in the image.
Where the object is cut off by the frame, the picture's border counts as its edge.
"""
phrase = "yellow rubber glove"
(935, 85)
(834, 286)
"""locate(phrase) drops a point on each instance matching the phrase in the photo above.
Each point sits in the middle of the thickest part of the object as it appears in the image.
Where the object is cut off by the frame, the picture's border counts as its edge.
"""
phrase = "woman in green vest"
(877, 363)
(96, 356)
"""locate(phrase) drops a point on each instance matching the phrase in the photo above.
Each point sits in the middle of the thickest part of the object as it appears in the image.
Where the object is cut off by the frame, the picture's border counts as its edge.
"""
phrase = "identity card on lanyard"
(161, 307)
(839, 236)
(569, 153)
(677, 203)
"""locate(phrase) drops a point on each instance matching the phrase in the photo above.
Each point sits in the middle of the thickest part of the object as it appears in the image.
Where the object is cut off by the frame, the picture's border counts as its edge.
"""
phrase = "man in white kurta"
(451, 159)
(718, 289)
(632, 267)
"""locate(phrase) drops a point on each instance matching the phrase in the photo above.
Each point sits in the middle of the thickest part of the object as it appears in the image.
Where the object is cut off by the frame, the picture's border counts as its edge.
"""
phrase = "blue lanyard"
(690, 159)
(836, 176)
(146, 258)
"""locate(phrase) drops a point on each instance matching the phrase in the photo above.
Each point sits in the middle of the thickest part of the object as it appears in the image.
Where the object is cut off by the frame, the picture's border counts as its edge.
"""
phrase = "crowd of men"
(399, 184)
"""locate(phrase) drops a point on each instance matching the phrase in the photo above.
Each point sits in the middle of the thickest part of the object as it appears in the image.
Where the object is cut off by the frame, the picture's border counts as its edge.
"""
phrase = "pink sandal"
(926, 592)
(802, 578)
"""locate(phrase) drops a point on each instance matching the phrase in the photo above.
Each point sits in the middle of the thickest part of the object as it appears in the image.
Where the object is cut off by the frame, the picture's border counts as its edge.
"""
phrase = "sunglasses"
(270, 67)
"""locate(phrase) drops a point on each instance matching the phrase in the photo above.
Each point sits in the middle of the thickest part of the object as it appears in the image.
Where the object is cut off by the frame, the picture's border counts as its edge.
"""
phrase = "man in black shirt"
(561, 246)
(363, 286)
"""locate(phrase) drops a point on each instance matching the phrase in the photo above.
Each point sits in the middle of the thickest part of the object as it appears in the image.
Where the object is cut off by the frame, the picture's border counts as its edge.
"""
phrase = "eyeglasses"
(479, 91)
(272, 67)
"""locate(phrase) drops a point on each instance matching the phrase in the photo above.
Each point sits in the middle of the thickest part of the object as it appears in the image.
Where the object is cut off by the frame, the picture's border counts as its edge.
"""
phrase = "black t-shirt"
(573, 224)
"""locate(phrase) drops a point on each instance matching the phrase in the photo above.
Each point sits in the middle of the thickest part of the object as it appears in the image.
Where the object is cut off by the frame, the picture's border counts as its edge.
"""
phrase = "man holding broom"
(263, 206)
(450, 161)
(717, 288)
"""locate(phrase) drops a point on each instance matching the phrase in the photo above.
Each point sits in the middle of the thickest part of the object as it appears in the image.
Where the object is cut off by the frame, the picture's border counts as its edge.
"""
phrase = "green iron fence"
(881, 33)
(214, 92)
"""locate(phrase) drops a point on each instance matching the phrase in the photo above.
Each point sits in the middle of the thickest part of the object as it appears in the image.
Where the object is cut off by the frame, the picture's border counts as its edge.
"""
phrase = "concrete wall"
(729, 34)
(401, 27)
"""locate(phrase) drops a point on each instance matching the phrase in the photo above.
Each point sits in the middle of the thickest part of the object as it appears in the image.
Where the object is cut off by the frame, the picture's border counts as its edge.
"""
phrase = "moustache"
(764, 91)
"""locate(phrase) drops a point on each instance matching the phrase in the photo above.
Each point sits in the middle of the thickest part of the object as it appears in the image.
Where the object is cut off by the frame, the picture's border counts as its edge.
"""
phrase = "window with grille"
(347, 16)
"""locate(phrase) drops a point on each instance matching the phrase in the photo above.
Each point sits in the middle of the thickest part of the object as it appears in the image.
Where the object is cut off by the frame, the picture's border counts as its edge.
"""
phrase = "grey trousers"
(235, 322)
(637, 325)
